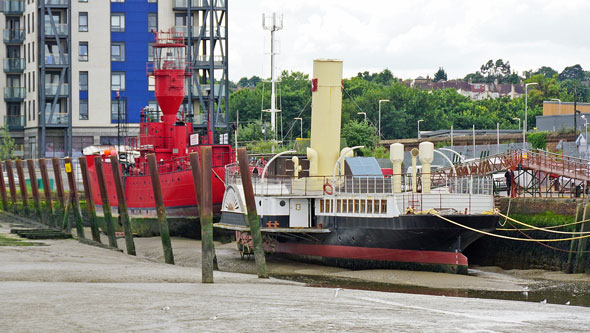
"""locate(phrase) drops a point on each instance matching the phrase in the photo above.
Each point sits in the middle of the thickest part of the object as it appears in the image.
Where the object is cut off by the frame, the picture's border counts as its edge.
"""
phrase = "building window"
(152, 1)
(117, 51)
(117, 0)
(118, 81)
(82, 0)
(117, 22)
(83, 109)
(83, 55)
(83, 21)
(118, 108)
(83, 81)
(150, 51)
(153, 22)
(151, 83)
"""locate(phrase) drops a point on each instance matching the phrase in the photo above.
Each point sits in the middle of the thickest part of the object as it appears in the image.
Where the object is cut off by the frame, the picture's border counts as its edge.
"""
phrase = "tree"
(6, 144)
(574, 72)
(440, 75)
(359, 134)
(252, 131)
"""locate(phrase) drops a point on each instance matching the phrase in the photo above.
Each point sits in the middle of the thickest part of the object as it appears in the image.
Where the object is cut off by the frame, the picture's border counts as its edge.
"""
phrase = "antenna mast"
(272, 23)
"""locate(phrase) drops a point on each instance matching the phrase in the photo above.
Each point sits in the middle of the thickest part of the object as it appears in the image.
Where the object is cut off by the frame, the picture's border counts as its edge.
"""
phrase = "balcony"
(206, 89)
(196, 32)
(14, 36)
(56, 60)
(205, 60)
(56, 2)
(14, 7)
(14, 94)
(59, 119)
(183, 4)
(61, 29)
(15, 123)
(14, 65)
(55, 89)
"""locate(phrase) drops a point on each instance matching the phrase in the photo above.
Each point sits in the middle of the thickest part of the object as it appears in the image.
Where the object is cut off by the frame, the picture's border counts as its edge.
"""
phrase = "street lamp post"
(524, 124)
(301, 120)
(364, 114)
(516, 118)
(559, 107)
(419, 127)
(381, 100)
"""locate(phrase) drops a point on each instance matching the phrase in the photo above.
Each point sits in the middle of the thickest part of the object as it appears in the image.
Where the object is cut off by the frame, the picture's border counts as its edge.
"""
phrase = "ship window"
(383, 206)
(282, 203)
(356, 206)
(328, 206)
(338, 206)
(321, 205)
(363, 202)
(376, 206)
(350, 207)
(369, 206)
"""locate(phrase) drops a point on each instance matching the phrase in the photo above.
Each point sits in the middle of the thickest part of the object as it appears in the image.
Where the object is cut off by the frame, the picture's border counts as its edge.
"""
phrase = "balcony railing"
(55, 89)
(15, 122)
(14, 65)
(198, 3)
(14, 7)
(14, 94)
(219, 90)
(61, 29)
(56, 119)
(56, 59)
(56, 2)
(14, 36)
(205, 59)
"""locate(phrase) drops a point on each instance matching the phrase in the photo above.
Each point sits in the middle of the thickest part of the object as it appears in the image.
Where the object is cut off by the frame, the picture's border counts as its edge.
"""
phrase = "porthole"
(282, 203)
(260, 203)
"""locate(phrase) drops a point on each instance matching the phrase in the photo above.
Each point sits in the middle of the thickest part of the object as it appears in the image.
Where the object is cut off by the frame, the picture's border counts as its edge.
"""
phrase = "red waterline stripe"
(367, 253)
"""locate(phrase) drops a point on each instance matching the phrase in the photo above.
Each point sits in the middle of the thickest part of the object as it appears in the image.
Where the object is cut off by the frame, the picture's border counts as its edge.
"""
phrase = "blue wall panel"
(136, 37)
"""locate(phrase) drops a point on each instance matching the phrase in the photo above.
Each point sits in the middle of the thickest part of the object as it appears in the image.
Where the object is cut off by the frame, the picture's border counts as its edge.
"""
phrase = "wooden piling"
(3, 189)
(35, 188)
(252, 216)
(73, 196)
(89, 199)
(104, 197)
(59, 186)
(206, 217)
(160, 209)
(47, 191)
(11, 184)
(570, 258)
(22, 183)
(580, 255)
(123, 212)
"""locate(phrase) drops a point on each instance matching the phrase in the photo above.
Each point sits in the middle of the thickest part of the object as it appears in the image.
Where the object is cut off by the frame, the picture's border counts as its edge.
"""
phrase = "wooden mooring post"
(22, 183)
(11, 185)
(206, 217)
(89, 199)
(123, 212)
(61, 197)
(252, 216)
(160, 209)
(35, 189)
(580, 255)
(570, 258)
(47, 191)
(3, 189)
(104, 197)
(74, 200)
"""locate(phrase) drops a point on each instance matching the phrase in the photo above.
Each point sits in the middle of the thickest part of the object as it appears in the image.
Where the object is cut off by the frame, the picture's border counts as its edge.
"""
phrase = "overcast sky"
(411, 37)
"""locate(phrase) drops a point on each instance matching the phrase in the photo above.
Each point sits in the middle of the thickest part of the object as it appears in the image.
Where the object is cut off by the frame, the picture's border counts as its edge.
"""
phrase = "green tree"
(359, 134)
(440, 75)
(6, 144)
(574, 72)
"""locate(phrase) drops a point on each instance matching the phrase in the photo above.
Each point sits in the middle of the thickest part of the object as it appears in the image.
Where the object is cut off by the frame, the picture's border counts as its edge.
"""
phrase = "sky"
(410, 37)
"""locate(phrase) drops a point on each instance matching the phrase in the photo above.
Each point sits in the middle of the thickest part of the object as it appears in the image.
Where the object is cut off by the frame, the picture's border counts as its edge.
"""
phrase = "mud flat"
(68, 286)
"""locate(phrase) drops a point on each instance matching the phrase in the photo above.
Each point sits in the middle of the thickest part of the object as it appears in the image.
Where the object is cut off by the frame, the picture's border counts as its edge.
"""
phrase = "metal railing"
(61, 29)
(56, 59)
(56, 89)
(14, 94)
(14, 7)
(14, 36)
(57, 2)
(14, 65)
(198, 3)
(57, 119)
(15, 122)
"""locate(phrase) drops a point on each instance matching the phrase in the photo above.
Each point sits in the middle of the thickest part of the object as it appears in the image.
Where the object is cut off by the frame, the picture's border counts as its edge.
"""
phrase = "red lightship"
(169, 138)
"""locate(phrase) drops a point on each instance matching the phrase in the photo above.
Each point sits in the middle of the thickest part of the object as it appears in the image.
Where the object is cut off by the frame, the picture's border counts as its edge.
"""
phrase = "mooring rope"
(537, 228)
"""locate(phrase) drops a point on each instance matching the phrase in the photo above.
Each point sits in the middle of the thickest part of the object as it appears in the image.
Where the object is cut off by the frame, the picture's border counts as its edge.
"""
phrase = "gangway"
(535, 173)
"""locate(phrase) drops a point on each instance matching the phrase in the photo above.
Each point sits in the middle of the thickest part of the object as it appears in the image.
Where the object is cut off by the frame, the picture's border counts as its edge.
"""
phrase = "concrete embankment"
(63, 285)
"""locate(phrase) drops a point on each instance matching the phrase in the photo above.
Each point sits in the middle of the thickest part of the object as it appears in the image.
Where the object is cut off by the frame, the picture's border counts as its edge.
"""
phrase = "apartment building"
(75, 70)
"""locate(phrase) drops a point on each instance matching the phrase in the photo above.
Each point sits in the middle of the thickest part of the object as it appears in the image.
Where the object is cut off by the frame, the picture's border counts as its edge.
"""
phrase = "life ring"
(328, 189)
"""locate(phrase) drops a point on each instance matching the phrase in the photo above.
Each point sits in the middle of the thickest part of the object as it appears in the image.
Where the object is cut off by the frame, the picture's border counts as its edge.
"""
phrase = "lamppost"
(301, 120)
(559, 107)
(516, 118)
(364, 114)
(419, 127)
(381, 100)
(524, 124)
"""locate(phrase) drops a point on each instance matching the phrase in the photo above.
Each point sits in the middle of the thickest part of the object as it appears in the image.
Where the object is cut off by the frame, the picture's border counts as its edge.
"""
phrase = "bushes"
(538, 139)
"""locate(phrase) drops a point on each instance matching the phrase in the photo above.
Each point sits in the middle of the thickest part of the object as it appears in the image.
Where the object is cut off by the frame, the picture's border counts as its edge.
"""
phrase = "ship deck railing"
(343, 185)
